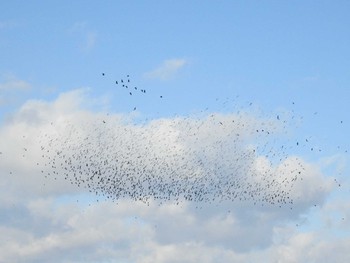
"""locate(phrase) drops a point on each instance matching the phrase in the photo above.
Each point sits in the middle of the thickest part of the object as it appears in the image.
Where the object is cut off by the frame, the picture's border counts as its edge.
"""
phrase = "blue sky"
(284, 57)
(270, 53)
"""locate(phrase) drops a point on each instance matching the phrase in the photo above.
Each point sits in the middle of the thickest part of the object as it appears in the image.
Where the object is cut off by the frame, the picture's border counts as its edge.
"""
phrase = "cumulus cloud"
(167, 69)
(47, 218)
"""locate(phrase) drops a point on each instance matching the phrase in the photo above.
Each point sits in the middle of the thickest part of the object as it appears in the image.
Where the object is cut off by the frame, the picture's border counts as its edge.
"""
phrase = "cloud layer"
(47, 218)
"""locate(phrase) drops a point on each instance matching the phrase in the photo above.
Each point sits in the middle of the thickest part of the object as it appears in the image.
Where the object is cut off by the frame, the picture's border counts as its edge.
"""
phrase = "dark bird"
(161, 96)
(103, 74)
(130, 93)
(116, 82)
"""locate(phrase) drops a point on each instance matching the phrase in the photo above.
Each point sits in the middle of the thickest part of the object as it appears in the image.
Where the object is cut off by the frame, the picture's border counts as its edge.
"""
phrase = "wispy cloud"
(7, 24)
(2, 24)
(11, 89)
(13, 83)
(167, 69)
(86, 36)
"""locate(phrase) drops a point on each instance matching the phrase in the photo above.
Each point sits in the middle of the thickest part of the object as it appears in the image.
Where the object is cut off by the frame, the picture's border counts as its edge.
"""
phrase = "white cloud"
(167, 69)
(50, 220)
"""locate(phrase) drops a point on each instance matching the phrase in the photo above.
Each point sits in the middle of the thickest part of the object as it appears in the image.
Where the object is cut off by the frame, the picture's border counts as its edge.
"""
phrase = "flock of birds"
(211, 158)
(126, 84)
(169, 160)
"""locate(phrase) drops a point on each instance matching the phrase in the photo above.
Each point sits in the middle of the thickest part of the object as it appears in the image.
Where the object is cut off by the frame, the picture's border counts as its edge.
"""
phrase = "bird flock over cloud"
(206, 158)
(169, 160)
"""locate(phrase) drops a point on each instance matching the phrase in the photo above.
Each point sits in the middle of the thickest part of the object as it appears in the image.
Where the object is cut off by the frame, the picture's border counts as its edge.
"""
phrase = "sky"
(238, 96)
